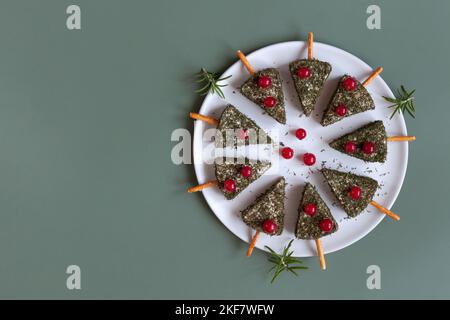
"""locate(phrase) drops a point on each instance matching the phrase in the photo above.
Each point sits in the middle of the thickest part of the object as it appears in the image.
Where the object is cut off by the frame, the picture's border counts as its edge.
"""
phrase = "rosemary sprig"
(404, 101)
(284, 262)
(210, 82)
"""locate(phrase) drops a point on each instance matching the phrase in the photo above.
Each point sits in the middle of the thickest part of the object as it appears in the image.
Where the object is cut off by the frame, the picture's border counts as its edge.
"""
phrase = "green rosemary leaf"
(392, 115)
(411, 93)
(274, 260)
(224, 78)
(286, 249)
(203, 90)
(270, 249)
(210, 83)
(284, 262)
(292, 259)
(390, 99)
(293, 271)
(410, 113)
(411, 106)
(276, 274)
(273, 267)
(403, 102)
(299, 268)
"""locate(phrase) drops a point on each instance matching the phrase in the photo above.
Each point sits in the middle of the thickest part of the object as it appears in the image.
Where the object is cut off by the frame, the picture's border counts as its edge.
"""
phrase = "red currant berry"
(269, 226)
(300, 134)
(368, 147)
(355, 192)
(303, 72)
(264, 82)
(243, 134)
(246, 171)
(341, 110)
(309, 159)
(270, 102)
(287, 153)
(349, 84)
(229, 185)
(310, 209)
(326, 225)
(350, 147)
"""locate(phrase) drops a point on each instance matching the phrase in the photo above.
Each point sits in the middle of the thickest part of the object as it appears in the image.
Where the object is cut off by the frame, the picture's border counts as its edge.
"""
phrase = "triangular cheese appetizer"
(309, 78)
(314, 217)
(264, 89)
(353, 192)
(368, 143)
(267, 207)
(350, 98)
(236, 129)
(234, 175)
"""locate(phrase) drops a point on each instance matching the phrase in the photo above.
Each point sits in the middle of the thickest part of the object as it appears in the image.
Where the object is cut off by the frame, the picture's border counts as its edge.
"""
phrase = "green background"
(86, 176)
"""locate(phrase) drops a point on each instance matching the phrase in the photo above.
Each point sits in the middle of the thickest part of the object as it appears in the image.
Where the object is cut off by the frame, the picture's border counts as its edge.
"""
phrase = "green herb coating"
(231, 169)
(373, 132)
(356, 101)
(308, 227)
(269, 205)
(341, 182)
(231, 121)
(253, 92)
(308, 89)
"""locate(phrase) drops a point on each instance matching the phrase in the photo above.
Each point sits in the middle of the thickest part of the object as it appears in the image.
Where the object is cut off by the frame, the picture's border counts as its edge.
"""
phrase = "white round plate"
(390, 174)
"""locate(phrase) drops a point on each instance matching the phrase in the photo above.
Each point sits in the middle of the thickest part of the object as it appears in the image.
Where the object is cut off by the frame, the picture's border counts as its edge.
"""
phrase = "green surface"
(85, 170)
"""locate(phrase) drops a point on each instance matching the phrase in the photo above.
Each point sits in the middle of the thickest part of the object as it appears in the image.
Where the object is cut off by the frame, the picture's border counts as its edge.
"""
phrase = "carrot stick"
(244, 60)
(385, 211)
(203, 186)
(375, 73)
(323, 264)
(310, 45)
(203, 118)
(401, 138)
(253, 243)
